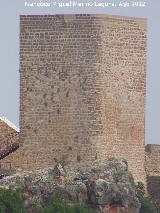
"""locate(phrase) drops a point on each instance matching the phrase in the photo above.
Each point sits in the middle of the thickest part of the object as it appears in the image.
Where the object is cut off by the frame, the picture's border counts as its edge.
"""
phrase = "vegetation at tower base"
(58, 205)
(11, 201)
(147, 204)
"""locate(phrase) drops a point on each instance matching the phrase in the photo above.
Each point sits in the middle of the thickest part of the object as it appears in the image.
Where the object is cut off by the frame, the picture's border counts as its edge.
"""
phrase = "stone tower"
(82, 90)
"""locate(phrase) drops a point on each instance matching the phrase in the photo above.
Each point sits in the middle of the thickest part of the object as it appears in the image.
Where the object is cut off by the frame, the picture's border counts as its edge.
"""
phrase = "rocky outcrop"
(106, 186)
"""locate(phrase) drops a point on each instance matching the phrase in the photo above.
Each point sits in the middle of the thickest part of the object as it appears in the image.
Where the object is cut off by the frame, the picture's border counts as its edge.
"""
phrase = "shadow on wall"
(153, 183)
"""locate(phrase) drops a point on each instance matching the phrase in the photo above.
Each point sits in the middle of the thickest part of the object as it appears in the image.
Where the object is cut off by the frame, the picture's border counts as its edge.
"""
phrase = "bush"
(57, 205)
(147, 204)
(11, 201)
(61, 207)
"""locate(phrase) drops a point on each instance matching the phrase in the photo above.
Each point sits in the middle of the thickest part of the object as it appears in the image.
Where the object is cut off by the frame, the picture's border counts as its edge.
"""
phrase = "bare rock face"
(106, 186)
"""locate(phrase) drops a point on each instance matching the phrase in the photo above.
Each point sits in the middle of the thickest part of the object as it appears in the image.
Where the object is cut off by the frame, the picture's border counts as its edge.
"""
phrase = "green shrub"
(11, 201)
(147, 204)
(61, 207)
(57, 205)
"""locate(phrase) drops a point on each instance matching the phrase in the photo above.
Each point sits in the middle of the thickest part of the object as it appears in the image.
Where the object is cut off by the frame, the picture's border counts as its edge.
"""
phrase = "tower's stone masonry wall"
(82, 90)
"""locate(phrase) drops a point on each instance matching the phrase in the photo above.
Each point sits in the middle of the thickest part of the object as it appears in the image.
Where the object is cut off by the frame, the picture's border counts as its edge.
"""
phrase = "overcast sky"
(9, 53)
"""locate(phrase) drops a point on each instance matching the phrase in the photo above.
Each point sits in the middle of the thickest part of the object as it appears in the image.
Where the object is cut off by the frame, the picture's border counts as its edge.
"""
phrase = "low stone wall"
(153, 170)
(153, 183)
(9, 135)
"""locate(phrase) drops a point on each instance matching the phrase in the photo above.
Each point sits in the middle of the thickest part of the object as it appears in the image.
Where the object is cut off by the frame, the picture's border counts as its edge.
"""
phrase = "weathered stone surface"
(106, 186)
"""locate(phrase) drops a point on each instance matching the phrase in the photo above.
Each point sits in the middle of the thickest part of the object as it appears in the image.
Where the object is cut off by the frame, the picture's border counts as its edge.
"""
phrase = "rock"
(58, 171)
(77, 191)
(105, 185)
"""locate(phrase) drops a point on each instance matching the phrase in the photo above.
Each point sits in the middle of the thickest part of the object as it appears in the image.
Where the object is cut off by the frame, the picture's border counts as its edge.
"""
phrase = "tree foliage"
(11, 201)
(57, 205)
